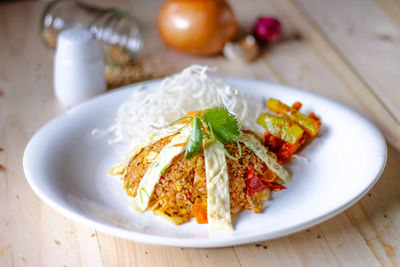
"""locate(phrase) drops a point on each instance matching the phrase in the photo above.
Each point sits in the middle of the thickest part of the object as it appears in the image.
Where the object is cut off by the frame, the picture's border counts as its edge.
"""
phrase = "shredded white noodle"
(177, 95)
(300, 158)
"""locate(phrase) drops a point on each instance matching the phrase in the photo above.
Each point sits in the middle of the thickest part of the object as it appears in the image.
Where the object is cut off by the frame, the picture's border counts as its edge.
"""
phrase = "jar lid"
(76, 45)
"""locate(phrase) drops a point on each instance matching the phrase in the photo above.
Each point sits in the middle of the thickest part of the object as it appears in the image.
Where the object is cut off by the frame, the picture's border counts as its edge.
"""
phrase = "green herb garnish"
(222, 125)
(213, 124)
(195, 138)
(232, 157)
(164, 169)
(154, 164)
(141, 190)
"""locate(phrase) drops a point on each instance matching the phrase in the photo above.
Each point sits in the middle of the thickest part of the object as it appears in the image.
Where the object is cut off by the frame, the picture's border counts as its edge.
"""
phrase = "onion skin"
(198, 27)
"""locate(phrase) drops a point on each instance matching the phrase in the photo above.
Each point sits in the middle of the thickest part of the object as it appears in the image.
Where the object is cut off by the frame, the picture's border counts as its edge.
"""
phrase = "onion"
(200, 27)
(267, 30)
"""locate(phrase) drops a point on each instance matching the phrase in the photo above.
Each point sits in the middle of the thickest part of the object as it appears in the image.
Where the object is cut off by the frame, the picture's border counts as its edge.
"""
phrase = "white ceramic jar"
(78, 67)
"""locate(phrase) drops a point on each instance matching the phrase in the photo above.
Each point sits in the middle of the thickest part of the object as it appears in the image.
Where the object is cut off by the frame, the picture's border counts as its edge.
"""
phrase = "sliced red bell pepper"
(287, 150)
(275, 186)
(283, 151)
(253, 182)
(273, 143)
(297, 105)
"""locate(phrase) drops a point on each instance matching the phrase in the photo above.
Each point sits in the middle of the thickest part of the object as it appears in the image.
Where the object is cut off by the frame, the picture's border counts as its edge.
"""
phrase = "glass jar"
(118, 31)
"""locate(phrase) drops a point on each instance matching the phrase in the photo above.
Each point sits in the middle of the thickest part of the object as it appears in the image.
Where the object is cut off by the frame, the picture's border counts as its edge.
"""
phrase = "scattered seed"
(3, 250)
(385, 37)
(297, 37)
(350, 31)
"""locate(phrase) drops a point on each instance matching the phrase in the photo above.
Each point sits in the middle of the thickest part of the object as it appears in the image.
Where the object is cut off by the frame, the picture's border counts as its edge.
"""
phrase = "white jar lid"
(75, 45)
(78, 67)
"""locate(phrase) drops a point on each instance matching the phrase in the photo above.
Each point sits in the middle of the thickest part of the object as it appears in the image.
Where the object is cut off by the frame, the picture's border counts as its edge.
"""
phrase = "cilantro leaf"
(222, 125)
(195, 139)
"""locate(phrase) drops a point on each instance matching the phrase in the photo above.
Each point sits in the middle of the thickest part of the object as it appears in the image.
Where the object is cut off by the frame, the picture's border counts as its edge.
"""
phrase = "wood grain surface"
(346, 50)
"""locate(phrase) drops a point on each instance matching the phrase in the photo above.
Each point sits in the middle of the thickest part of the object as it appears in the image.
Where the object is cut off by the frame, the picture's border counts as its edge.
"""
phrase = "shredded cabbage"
(190, 90)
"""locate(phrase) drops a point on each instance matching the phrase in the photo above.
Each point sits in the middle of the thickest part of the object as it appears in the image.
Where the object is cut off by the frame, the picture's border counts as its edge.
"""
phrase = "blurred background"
(359, 31)
(157, 50)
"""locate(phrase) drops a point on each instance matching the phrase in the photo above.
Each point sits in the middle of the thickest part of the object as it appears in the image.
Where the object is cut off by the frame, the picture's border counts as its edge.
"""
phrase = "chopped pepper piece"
(253, 182)
(297, 105)
(275, 186)
(309, 124)
(284, 151)
(288, 150)
(281, 127)
(273, 143)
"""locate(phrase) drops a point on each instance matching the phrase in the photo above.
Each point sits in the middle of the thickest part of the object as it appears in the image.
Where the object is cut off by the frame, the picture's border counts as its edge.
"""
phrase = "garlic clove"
(243, 51)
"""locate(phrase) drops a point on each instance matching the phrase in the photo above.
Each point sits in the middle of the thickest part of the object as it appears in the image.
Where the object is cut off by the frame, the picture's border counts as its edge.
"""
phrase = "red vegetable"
(253, 182)
(273, 143)
(287, 150)
(312, 115)
(267, 30)
(284, 151)
(275, 186)
(297, 105)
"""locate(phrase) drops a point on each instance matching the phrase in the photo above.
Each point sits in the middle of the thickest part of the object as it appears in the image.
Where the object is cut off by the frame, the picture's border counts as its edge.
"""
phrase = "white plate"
(66, 166)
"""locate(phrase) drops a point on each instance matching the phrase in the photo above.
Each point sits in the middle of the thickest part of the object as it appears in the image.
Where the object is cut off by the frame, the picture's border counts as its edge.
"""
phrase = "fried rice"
(183, 184)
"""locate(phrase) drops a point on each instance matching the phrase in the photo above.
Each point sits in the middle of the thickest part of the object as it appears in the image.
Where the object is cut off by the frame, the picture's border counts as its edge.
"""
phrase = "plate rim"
(190, 242)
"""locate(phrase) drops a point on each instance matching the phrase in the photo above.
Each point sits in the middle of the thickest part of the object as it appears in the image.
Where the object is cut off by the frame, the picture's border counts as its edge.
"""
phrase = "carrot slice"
(181, 144)
(200, 212)
(194, 113)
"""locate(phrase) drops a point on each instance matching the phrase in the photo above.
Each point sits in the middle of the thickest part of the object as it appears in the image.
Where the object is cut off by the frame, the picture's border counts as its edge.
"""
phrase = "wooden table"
(346, 50)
